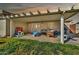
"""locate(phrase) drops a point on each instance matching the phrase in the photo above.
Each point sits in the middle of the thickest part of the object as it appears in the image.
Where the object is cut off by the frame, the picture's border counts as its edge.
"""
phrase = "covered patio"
(57, 15)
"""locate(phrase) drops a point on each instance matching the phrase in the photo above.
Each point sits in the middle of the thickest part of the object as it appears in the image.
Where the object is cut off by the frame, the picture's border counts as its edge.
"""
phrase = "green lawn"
(12, 46)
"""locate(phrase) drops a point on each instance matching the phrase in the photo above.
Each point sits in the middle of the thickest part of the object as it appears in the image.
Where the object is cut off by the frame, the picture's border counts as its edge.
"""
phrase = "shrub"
(32, 47)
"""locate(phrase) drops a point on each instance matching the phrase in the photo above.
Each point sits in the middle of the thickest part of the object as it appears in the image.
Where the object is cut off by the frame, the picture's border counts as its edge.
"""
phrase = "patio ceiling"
(41, 18)
(69, 13)
(46, 15)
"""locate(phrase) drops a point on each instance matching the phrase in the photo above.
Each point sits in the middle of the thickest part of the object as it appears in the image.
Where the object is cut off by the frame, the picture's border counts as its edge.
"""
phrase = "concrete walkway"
(75, 40)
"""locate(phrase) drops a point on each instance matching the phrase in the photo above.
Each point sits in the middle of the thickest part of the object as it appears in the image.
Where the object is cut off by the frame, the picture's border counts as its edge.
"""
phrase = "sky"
(26, 5)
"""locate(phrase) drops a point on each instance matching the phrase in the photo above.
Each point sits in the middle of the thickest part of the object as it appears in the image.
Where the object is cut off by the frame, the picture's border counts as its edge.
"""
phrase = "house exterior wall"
(21, 24)
(2, 28)
(54, 25)
(29, 27)
(14, 24)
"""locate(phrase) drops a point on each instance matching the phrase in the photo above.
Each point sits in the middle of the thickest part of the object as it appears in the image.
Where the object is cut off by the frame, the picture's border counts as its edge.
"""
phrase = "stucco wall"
(2, 28)
(44, 25)
(14, 24)
(29, 27)
(21, 24)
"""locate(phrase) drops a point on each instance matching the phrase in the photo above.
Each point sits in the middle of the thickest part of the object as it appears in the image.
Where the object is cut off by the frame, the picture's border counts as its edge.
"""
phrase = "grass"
(13, 46)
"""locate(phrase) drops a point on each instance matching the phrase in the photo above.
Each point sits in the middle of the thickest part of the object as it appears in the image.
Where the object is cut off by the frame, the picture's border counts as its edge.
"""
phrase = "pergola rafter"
(71, 13)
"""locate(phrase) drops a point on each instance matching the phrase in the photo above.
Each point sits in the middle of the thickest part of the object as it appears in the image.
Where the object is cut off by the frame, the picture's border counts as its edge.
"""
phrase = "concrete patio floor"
(41, 38)
(44, 38)
(74, 40)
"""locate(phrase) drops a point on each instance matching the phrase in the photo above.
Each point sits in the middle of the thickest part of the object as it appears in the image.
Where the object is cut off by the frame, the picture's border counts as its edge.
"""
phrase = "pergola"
(62, 16)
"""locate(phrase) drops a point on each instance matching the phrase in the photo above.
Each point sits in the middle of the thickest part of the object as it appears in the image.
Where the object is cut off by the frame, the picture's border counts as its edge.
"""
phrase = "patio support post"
(11, 27)
(62, 29)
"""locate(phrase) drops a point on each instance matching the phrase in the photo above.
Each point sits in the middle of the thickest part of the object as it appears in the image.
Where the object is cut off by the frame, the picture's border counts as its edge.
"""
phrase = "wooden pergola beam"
(48, 11)
(6, 13)
(59, 10)
(31, 13)
(24, 14)
(71, 16)
(43, 21)
(38, 12)
(72, 10)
